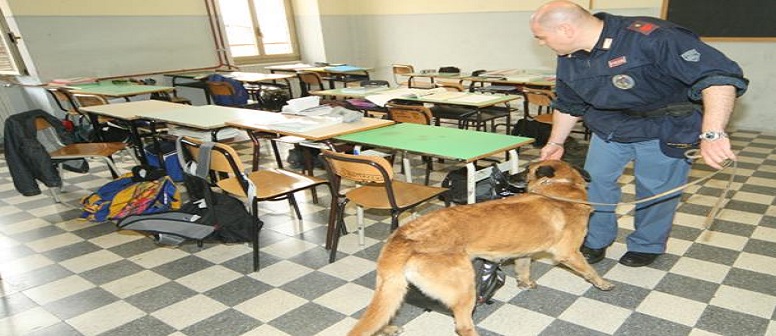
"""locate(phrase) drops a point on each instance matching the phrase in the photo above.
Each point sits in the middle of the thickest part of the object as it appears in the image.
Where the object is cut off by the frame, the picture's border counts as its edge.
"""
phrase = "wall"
(493, 35)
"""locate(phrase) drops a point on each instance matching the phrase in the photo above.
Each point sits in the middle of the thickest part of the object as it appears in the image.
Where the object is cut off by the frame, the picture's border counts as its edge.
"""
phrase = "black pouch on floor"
(489, 277)
(539, 131)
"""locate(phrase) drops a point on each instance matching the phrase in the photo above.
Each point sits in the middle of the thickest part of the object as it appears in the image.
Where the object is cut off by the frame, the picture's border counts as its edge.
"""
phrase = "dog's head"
(556, 171)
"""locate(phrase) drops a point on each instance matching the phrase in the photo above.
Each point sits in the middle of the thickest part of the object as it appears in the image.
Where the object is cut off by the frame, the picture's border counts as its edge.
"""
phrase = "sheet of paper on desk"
(302, 124)
(445, 95)
(474, 98)
(385, 96)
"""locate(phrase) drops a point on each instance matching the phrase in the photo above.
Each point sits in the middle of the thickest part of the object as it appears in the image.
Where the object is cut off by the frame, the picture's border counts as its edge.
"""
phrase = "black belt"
(674, 110)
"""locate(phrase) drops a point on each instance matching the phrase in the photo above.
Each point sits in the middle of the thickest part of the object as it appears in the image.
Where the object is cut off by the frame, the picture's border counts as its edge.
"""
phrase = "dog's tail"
(390, 288)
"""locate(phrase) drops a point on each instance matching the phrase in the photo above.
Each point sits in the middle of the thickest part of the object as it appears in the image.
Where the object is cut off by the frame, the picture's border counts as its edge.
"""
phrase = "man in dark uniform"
(649, 90)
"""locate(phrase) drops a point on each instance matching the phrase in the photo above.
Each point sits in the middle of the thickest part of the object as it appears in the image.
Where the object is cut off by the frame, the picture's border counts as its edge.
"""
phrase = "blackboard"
(724, 19)
(111, 46)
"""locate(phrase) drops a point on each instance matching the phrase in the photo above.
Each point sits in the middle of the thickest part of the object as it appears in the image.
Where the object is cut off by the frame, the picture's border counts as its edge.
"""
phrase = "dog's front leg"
(523, 272)
(576, 261)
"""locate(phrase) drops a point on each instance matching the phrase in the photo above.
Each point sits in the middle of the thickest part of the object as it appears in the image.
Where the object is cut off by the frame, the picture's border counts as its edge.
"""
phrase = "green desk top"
(443, 142)
(118, 90)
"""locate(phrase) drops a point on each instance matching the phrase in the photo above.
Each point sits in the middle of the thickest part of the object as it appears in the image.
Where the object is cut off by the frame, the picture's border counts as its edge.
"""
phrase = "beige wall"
(106, 7)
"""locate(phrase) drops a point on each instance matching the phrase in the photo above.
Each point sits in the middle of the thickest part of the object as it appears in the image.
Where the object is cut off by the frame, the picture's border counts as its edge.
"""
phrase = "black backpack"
(207, 215)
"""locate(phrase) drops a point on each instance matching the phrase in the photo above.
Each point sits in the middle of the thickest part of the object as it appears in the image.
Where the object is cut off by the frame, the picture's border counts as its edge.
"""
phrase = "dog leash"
(691, 154)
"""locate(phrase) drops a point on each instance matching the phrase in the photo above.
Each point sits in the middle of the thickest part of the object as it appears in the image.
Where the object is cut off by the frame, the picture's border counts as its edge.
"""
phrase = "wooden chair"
(466, 116)
(59, 152)
(542, 99)
(415, 114)
(229, 174)
(402, 70)
(376, 189)
(309, 81)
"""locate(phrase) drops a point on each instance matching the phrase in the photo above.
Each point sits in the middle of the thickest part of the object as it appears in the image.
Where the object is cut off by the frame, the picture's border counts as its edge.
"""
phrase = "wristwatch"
(712, 135)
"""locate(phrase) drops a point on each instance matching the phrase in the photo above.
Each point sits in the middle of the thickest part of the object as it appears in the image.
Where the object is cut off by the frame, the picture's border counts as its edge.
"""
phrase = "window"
(9, 55)
(259, 31)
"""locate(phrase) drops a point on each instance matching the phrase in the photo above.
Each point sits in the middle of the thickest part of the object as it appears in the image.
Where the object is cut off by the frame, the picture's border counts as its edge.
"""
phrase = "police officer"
(648, 90)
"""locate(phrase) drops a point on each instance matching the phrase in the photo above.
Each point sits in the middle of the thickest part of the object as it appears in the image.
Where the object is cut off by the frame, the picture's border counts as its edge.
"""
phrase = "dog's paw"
(390, 330)
(604, 285)
(526, 284)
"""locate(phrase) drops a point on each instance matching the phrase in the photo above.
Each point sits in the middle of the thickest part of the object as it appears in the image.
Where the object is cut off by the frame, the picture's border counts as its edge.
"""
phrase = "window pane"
(239, 27)
(273, 22)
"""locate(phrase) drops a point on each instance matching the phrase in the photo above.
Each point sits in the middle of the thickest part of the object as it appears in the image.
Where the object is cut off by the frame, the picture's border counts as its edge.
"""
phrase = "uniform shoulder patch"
(643, 27)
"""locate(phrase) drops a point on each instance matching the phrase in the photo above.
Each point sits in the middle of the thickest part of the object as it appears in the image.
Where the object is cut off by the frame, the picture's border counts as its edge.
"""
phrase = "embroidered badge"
(691, 55)
(623, 82)
(645, 28)
(617, 61)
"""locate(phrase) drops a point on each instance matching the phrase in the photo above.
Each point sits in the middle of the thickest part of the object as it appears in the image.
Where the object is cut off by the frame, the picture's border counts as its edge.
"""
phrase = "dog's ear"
(544, 171)
(583, 172)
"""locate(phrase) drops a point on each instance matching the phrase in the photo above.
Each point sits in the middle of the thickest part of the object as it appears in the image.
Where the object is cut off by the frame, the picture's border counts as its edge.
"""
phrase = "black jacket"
(26, 157)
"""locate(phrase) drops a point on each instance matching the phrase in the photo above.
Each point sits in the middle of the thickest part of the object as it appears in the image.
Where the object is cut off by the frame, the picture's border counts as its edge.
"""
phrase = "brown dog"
(435, 251)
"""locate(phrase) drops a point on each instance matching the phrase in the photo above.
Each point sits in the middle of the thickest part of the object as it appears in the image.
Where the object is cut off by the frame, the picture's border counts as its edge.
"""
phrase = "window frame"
(9, 51)
(295, 55)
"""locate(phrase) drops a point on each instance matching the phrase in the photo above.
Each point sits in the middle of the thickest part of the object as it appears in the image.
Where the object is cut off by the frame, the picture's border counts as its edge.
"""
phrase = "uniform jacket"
(642, 64)
(27, 158)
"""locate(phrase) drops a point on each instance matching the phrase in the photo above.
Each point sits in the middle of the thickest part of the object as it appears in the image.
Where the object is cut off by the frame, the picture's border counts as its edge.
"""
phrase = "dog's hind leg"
(449, 279)
(576, 262)
(523, 271)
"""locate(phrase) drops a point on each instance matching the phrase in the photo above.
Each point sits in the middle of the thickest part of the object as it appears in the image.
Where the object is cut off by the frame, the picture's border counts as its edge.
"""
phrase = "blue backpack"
(240, 96)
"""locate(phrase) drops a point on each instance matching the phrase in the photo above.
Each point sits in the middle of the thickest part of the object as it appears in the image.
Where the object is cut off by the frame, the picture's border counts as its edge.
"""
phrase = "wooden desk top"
(278, 122)
(207, 117)
(246, 77)
(130, 110)
(442, 142)
(109, 89)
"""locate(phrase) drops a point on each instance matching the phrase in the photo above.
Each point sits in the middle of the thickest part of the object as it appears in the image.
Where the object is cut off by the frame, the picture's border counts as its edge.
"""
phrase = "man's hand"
(715, 152)
(551, 152)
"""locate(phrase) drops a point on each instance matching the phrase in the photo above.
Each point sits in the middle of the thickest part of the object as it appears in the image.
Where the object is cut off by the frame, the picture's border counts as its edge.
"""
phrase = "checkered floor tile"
(65, 276)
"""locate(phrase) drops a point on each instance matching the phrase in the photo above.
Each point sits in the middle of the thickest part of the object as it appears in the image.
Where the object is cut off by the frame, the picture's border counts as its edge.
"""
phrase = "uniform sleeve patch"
(642, 27)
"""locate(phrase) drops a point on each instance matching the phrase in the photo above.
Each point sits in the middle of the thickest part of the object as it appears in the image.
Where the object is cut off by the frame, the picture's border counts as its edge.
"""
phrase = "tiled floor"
(64, 276)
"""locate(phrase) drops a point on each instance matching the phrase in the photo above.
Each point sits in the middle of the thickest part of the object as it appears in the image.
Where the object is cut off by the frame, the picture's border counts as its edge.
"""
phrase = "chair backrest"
(401, 70)
(358, 168)
(540, 98)
(63, 99)
(450, 86)
(223, 158)
(375, 83)
(309, 81)
(83, 100)
(235, 95)
(220, 89)
(415, 114)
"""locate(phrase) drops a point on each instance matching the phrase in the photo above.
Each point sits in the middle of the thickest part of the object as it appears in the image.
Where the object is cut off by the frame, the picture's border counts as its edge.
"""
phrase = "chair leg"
(292, 202)
(114, 171)
(338, 229)
(360, 221)
(255, 234)
(394, 220)
(429, 167)
(55, 194)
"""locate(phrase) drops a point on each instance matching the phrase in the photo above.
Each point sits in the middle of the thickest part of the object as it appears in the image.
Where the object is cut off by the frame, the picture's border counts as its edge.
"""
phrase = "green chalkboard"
(724, 19)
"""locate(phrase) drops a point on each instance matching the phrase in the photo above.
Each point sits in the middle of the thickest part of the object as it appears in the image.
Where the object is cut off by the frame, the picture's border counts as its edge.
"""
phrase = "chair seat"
(80, 150)
(407, 195)
(544, 118)
(271, 183)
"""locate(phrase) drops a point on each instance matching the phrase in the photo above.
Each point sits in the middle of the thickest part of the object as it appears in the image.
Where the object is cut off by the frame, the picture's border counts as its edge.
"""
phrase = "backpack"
(129, 195)
(488, 276)
(240, 96)
(206, 215)
(497, 185)
(539, 131)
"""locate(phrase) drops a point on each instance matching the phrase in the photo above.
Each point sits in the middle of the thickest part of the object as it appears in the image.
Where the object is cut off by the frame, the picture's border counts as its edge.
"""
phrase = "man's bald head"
(558, 12)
